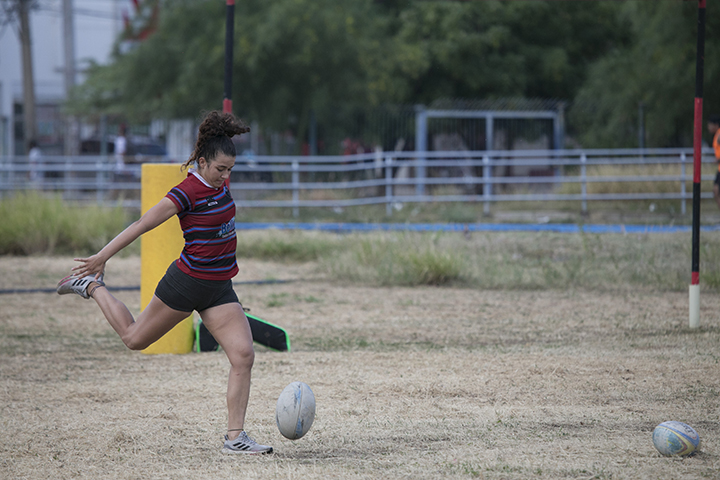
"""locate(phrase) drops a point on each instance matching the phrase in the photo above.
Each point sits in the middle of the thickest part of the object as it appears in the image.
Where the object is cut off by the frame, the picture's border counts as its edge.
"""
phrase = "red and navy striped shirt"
(207, 219)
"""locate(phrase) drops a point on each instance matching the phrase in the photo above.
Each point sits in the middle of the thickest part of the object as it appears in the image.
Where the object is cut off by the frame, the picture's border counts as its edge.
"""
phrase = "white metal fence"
(390, 178)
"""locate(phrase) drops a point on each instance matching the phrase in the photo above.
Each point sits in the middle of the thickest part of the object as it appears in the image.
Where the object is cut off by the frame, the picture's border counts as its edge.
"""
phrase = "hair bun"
(217, 123)
(213, 128)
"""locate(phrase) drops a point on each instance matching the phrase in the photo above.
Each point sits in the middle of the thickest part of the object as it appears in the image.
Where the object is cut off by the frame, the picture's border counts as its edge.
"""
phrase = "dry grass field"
(410, 382)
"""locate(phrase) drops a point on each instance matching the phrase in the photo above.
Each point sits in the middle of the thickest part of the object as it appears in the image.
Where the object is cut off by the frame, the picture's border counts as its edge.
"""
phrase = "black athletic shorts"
(717, 179)
(180, 291)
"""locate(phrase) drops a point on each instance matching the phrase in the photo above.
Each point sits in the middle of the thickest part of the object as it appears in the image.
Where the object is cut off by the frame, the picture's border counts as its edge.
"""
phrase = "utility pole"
(229, 35)
(71, 123)
(641, 125)
(29, 122)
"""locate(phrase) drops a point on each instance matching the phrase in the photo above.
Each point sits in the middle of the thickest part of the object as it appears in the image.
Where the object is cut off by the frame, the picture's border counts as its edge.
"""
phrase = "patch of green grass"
(330, 344)
(429, 266)
(311, 299)
(33, 224)
(281, 299)
(285, 246)
(469, 469)
(397, 259)
(512, 260)
(356, 341)
(277, 300)
(37, 224)
(646, 212)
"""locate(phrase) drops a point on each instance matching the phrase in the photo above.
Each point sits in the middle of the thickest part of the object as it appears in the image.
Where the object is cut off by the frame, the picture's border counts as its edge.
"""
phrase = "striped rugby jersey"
(207, 219)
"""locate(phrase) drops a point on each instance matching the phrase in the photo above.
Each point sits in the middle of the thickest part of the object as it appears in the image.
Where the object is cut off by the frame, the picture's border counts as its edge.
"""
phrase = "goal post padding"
(159, 248)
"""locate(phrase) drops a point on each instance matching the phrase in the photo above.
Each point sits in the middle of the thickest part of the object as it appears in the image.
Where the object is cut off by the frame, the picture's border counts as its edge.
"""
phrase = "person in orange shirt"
(713, 127)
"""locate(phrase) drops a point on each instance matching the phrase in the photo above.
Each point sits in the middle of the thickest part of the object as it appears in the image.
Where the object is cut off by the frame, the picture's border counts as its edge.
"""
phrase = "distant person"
(120, 149)
(713, 127)
(200, 280)
(34, 156)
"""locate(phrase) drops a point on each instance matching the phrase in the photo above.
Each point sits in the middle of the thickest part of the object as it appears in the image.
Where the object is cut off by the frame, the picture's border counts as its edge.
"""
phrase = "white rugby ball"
(675, 438)
(295, 410)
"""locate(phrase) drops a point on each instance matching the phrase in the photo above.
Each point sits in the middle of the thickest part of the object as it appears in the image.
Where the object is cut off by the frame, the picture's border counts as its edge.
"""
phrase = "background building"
(96, 25)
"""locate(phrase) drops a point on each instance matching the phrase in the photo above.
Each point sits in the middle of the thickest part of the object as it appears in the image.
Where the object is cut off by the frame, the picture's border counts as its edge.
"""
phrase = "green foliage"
(657, 69)
(503, 49)
(169, 74)
(281, 247)
(33, 224)
(511, 260)
(290, 56)
(336, 59)
(339, 60)
(397, 260)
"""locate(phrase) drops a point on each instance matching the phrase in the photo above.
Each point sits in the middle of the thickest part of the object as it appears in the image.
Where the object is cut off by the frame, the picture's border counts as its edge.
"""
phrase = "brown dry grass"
(410, 383)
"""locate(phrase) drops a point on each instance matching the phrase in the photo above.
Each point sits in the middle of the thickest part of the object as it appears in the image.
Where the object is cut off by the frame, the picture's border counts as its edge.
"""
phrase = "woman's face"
(216, 171)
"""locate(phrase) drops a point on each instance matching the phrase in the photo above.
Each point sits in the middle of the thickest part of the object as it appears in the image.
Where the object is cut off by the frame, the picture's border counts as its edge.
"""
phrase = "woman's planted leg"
(228, 324)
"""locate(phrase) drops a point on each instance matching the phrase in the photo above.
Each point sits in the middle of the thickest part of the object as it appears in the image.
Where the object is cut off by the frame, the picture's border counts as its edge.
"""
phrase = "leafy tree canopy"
(296, 56)
(494, 49)
(657, 69)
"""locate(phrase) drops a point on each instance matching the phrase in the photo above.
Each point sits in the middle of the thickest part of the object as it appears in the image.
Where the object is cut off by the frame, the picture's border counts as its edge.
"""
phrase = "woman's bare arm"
(157, 215)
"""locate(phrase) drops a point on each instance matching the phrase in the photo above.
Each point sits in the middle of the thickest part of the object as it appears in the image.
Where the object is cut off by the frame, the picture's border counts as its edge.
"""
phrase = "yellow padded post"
(159, 248)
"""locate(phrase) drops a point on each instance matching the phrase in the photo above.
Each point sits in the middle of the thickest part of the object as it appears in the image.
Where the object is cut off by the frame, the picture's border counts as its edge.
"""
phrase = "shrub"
(396, 259)
(33, 224)
(285, 246)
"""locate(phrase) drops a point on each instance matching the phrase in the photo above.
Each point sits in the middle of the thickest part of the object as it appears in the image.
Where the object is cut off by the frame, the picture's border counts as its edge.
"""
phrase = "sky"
(97, 23)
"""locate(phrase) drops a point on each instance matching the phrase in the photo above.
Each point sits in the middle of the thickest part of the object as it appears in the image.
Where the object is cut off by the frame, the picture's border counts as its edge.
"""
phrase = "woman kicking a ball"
(199, 280)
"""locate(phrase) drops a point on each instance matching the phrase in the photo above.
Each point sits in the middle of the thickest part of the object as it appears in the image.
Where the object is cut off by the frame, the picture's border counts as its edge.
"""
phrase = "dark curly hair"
(214, 136)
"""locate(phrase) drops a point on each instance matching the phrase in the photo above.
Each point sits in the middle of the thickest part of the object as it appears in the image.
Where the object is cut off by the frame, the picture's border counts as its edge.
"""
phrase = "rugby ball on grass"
(675, 438)
(295, 410)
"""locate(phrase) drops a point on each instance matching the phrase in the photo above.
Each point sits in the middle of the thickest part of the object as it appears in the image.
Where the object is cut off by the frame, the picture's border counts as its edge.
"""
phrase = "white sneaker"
(78, 285)
(244, 444)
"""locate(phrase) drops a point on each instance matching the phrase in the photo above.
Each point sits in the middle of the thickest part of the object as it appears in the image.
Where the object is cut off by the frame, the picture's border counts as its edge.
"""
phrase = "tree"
(18, 13)
(657, 69)
(290, 57)
(497, 49)
(338, 59)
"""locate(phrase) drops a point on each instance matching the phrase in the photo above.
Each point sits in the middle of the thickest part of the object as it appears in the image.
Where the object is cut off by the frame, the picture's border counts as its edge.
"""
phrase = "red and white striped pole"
(697, 174)
(229, 34)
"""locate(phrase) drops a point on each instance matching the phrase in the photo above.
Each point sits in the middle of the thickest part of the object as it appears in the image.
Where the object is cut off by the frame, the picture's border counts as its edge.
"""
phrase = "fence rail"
(389, 178)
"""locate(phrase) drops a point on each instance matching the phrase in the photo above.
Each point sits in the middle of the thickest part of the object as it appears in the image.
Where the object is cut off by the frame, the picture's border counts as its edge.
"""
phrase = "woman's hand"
(94, 265)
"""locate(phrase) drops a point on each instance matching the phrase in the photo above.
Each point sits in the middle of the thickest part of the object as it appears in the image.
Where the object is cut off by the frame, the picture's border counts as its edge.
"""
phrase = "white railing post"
(683, 207)
(296, 188)
(487, 186)
(420, 147)
(583, 182)
(4, 174)
(99, 181)
(388, 186)
(67, 179)
(69, 176)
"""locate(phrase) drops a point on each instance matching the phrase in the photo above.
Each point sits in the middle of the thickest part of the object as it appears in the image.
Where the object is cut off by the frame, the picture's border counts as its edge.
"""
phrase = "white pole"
(296, 188)
(694, 306)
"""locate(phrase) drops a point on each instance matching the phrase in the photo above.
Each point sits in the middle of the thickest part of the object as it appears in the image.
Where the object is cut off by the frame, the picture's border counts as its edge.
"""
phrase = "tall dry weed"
(34, 224)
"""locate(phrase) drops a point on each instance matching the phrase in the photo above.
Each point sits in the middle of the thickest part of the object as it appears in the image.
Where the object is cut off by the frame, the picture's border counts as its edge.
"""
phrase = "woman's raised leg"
(155, 321)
